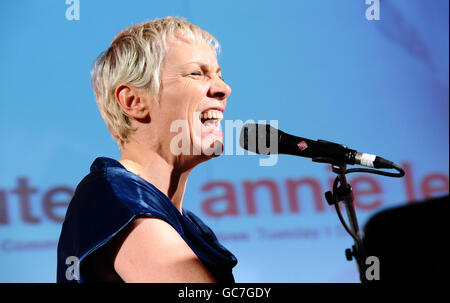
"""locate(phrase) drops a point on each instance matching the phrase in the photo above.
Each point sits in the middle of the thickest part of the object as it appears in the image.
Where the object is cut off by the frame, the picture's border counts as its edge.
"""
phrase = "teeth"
(212, 114)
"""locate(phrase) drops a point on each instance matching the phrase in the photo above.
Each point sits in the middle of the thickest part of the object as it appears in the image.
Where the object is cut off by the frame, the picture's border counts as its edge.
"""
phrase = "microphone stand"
(343, 193)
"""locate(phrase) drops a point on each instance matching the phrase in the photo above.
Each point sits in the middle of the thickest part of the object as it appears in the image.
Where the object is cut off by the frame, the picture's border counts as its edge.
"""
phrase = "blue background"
(318, 67)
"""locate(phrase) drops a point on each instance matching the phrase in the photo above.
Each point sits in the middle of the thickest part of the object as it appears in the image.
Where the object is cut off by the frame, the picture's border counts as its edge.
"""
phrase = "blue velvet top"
(106, 201)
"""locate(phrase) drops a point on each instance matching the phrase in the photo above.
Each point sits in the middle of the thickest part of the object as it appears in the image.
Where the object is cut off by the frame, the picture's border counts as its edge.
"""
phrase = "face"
(192, 101)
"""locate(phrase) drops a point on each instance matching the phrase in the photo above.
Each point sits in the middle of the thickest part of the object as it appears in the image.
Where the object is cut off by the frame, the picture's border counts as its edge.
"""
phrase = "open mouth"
(211, 118)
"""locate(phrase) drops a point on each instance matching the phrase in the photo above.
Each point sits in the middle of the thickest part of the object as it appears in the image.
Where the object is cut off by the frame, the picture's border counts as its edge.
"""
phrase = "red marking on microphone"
(302, 145)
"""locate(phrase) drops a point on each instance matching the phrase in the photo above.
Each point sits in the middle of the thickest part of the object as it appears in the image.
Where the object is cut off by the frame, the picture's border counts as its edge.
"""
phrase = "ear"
(132, 101)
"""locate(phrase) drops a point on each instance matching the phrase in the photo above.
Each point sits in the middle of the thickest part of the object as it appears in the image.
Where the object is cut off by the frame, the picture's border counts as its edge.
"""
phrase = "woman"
(160, 91)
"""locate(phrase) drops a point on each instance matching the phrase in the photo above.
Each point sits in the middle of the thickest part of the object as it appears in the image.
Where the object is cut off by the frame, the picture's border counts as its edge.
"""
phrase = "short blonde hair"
(135, 56)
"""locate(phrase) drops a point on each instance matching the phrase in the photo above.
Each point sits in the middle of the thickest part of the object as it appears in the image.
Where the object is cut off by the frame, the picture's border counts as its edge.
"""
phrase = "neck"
(161, 171)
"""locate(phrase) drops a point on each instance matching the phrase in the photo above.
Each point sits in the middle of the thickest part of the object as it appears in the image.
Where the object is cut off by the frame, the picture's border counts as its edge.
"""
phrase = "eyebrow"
(204, 65)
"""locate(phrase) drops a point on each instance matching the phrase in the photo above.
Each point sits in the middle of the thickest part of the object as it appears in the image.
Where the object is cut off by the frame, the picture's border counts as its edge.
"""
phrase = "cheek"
(189, 94)
(192, 99)
(196, 89)
(181, 100)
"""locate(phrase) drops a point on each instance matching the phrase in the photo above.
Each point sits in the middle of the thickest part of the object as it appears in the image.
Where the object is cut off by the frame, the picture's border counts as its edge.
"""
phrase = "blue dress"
(104, 204)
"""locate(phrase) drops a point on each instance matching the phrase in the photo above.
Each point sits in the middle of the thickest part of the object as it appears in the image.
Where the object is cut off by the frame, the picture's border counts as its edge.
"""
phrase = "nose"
(219, 89)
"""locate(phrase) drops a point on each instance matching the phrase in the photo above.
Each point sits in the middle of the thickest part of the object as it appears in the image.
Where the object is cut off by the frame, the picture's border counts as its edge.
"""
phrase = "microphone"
(265, 140)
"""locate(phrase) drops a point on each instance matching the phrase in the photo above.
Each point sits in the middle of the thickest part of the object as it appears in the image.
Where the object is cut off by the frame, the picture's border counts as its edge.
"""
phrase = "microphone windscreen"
(259, 138)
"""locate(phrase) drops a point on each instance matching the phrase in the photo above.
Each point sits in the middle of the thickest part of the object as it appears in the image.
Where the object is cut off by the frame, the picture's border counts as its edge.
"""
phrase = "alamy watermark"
(266, 143)
(73, 269)
(373, 270)
(73, 11)
(373, 11)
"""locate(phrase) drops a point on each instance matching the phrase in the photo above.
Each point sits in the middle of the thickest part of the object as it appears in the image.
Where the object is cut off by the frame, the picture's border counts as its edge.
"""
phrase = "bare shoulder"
(153, 251)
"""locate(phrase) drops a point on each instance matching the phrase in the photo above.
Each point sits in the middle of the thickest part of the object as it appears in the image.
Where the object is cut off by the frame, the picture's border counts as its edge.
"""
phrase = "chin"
(212, 145)
(217, 150)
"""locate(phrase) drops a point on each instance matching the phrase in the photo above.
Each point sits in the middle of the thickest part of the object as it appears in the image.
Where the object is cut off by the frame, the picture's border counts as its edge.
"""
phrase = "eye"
(197, 73)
